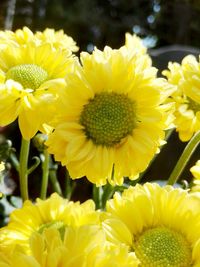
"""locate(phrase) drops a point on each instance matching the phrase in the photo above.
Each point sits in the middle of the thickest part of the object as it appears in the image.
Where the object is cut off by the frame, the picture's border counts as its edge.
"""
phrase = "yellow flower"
(17, 38)
(18, 259)
(186, 77)
(164, 224)
(135, 46)
(134, 43)
(57, 39)
(195, 170)
(54, 212)
(116, 256)
(75, 249)
(83, 246)
(111, 116)
(31, 78)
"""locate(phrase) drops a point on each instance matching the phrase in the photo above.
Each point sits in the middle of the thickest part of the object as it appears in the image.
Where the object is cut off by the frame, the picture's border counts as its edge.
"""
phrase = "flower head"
(57, 39)
(17, 38)
(31, 78)
(83, 246)
(55, 213)
(111, 117)
(163, 223)
(186, 77)
(134, 43)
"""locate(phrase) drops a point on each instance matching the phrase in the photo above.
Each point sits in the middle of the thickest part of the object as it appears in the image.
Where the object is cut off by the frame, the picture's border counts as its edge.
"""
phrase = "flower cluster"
(107, 112)
(104, 116)
(57, 232)
(145, 226)
(32, 72)
(186, 78)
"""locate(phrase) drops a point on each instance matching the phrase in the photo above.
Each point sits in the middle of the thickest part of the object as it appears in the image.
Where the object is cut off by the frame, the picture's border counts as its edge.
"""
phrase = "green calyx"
(163, 247)
(30, 76)
(108, 117)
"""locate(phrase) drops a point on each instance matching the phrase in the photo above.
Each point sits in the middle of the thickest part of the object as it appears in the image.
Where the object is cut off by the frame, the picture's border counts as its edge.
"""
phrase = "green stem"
(108, 190)
(54, 181)
(53, 177)
(97, 195)
(69, 186)
(107, 194)
(14, 161)
(23, 168)
(45, 174)
(183, 160)
(34, 166)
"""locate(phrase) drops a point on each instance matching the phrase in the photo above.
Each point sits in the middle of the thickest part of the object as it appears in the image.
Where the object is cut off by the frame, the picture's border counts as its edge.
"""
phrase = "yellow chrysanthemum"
(187, 96)
(31, 78)
(134, 43)
(195, 170)
(57, 39)
(111, 116)
(54, 212)
(17, 38)
(164, 224)
(116, 256)
(135, 46)
(85, 246)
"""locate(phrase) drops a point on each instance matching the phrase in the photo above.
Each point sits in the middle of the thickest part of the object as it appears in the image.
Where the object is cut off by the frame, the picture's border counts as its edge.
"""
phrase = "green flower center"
(108, 117)
(55, 224)
(193, 105)
(163, 247)
(28, 75)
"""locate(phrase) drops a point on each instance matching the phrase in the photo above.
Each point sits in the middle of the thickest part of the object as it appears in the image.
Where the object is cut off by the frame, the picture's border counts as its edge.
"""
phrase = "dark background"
(104, 22)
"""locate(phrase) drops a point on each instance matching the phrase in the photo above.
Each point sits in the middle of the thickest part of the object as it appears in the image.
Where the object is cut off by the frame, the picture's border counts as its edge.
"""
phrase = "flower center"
(28, 75)
(108, 117)
(55, 224)
(193, 105)
(163, 247)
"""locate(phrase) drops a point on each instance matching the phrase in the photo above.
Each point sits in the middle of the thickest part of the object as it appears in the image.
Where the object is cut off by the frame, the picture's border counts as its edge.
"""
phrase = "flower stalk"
(69, 186)
(23, 168)
(108, 190)
(53, 176)
(97, 196)
(187, 153)
(45, 174)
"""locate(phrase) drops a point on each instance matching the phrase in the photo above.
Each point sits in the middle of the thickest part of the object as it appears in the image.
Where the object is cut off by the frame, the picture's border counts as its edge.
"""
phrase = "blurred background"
(104, 22)
(170, 29)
